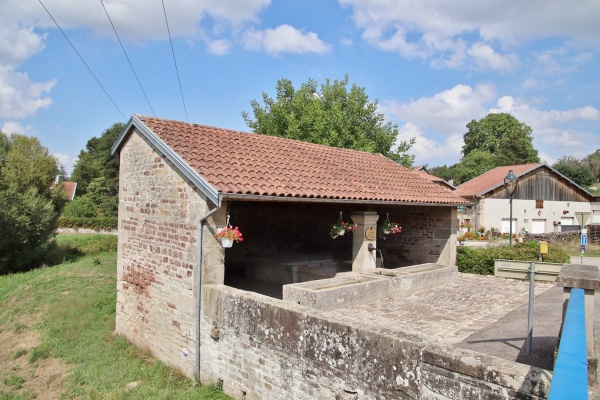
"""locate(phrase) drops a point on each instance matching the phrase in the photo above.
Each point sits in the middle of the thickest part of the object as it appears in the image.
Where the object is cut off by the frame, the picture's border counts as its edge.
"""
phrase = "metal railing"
(570, 379)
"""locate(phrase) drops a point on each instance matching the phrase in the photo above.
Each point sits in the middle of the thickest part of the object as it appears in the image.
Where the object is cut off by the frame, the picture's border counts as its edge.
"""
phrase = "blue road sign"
(584, 239)
(582, 248)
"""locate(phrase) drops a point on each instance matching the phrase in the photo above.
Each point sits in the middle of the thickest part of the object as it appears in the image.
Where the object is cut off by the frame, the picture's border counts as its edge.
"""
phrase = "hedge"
(95, 223)
(481, 260)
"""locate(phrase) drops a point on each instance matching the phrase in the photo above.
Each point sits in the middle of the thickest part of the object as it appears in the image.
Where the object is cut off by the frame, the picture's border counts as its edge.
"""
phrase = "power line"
(82, 60)
(175, 62)
(130, 64)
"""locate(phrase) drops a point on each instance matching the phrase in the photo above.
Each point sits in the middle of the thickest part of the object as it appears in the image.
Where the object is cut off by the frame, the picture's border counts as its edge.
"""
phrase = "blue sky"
(433, 66)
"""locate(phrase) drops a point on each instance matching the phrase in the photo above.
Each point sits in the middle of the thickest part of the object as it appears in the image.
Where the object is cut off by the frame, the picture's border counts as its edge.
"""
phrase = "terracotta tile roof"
(70, 188)
(492, 179)
(242, 163)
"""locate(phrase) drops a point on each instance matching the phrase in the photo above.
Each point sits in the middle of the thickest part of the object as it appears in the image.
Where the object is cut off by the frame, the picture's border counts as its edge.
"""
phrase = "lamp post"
(510, 184)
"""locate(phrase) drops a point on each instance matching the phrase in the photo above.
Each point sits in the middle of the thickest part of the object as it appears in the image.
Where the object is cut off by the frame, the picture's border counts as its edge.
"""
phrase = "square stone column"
(365, 233)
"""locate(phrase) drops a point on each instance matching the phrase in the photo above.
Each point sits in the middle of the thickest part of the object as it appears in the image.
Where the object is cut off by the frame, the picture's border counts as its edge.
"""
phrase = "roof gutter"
(198, 282)
(255, 197)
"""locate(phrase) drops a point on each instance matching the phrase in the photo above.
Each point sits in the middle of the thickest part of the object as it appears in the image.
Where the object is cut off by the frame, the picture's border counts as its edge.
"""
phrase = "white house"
(544, 200)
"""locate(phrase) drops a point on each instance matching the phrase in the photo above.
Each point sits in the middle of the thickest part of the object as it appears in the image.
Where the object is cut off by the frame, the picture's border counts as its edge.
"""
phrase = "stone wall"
(553, 237)
(158, 214)
(262, 348)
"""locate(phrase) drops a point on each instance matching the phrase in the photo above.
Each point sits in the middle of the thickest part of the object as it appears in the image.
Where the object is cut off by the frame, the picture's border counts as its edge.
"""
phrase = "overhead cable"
(82, 60)
(126, 56)
(175, 62)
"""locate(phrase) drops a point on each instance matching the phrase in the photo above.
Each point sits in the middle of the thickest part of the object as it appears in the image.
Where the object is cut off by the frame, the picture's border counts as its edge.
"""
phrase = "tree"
(29, 209)
(475, 163)
(575, 169)
(593, 163)
(97, 175)
(96, 161)
(333, 116)
(502, 135)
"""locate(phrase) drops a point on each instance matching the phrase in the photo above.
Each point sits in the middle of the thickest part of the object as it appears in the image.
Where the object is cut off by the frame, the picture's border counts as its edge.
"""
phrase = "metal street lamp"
(510, 184)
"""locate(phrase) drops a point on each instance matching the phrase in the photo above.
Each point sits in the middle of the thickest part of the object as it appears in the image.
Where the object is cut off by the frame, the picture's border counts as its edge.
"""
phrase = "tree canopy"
(575, 169)
(332, 115)
(29, 208)
(502, 135)
(96, 161)
(97, 175)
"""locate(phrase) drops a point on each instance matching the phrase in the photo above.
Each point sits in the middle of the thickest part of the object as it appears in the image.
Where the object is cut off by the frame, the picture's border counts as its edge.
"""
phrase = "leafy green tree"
(474, 164)
(502, 135)
(29, 209)
(96, 161)
(332, 115)
(97, 175)
(575, 169)
(81, 207)
(593, 163)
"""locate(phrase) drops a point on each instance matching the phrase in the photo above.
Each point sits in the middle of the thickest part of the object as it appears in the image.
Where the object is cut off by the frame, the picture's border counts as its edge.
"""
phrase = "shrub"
(95, 223)
(481, 260)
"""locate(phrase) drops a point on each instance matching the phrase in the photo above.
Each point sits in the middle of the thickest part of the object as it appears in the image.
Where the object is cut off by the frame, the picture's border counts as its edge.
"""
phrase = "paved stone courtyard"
(449, 313)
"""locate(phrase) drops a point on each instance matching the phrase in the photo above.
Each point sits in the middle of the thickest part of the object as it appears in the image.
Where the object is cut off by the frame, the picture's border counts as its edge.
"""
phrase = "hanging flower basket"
(227, 235)
(340, 228)
(389, 228)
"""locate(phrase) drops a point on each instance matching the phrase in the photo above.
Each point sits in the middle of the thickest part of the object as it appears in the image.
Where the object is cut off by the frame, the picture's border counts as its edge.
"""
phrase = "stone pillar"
(365, 233)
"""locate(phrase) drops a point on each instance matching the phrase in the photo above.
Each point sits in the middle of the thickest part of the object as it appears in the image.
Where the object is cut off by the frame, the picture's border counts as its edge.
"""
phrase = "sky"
(433, 66)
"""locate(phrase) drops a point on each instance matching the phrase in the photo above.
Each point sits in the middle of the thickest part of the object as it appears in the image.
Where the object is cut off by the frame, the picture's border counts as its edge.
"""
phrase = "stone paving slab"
(448, 313)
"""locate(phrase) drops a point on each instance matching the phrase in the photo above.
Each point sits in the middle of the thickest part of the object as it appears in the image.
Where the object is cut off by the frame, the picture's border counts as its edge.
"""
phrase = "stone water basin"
(350, 288)
(407, 280)
(339, 292)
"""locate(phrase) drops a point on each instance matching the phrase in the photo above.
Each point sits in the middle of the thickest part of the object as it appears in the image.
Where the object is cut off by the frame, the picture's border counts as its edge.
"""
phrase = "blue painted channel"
(570, 379)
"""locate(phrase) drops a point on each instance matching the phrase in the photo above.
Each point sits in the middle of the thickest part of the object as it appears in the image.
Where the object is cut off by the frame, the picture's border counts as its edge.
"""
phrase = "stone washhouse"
(256, 317)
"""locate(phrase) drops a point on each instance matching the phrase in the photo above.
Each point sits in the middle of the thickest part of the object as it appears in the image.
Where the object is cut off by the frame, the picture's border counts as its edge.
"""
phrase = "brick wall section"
(261, 348)
(158, 215)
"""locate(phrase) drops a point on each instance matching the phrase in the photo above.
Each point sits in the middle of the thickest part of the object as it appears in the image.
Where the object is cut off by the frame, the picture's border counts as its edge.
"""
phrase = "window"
(539, 204)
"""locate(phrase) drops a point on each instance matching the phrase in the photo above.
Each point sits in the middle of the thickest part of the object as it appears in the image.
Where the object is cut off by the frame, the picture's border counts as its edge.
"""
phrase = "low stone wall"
(552, 237)
(261, 348)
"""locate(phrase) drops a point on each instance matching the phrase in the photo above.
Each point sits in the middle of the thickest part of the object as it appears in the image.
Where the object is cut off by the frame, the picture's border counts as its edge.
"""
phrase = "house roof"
(435, 179)
(494, 178)
(233, 164)
(70, 188)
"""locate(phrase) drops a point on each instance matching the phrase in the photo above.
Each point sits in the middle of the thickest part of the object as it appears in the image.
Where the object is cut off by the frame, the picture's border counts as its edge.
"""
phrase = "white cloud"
(219, 47)
(430, 151)
(18, 42)
(10, 127)
(20, 97)
(448, 111)
(487, 58)
(138, 20)
(424, 29)
(438, 123)
(284, 39)
(66, 160)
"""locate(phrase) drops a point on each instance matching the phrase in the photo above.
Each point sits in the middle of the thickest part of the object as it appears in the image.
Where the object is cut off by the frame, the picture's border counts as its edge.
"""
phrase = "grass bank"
(57, 341)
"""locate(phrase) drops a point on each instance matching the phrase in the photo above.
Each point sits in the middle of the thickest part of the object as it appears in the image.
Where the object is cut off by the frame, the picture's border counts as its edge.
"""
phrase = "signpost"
(584, 240)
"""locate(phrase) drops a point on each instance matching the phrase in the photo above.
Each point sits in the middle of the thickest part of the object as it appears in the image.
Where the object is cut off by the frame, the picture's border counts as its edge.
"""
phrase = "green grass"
(73, 309)
(573, 248)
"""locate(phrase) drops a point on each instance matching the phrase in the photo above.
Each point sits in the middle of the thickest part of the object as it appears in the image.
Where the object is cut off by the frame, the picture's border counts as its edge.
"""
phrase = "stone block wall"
(262, 348)
(158, 216)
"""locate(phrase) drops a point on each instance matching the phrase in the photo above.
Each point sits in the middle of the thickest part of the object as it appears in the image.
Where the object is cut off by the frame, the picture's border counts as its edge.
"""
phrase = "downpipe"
(199, 283)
